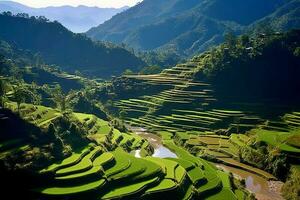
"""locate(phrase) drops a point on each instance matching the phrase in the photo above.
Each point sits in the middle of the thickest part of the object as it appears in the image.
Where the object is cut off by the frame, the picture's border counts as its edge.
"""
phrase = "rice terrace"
(165, 99)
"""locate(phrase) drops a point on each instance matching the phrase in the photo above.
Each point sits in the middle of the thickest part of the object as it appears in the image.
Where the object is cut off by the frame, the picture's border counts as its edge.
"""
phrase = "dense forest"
(188, 27)
(61, 47)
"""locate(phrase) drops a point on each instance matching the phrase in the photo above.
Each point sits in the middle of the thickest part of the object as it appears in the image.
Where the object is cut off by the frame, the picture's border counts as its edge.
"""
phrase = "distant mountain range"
(77, 19)
(191, 26)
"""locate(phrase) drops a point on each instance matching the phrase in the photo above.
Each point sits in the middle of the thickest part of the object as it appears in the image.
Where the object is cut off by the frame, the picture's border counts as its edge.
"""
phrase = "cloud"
(99, 3)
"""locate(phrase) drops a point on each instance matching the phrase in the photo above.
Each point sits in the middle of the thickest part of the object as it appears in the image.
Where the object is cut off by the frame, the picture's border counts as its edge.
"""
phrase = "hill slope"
(186, 27)
(77, 19)
(59, 46)
(232, 105)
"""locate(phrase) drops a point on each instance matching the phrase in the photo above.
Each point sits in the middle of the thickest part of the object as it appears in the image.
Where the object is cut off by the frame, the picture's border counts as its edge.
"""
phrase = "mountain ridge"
(76, 18)
(59, 46)
(192, 21)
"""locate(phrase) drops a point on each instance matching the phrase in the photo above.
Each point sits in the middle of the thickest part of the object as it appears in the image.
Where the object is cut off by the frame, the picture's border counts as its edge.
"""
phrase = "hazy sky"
(99, 3)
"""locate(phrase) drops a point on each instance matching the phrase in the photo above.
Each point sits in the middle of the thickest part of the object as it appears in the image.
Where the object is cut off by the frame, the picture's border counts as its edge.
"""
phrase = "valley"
(86, 119)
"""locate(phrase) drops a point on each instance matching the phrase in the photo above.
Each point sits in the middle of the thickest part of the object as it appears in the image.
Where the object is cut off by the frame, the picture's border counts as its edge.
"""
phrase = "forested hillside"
(57, 45)
(232, 105)
(189, 26)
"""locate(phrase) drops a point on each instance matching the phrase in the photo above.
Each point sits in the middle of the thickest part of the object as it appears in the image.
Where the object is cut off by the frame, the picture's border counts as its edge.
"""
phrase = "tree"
(297, 52)
(15, 72)
(23, 93)
(42, 19)
(23, 15)
(59, 97)
(2, 59)
(150, 70)
(244, 40)
(2, 92)
(128, 72)
(7, 13)
(264, 28)
(230, 40)
(78, 73)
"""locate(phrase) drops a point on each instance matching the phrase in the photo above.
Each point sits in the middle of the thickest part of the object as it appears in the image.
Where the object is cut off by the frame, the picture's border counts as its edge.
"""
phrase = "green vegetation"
(199, 110)
(198, 25)
(291, 187)
(65, 48)
(276, 139)
(221, 109)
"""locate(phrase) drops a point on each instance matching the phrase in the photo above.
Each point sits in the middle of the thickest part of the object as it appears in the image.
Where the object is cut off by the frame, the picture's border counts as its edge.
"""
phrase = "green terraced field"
(186, 115)
(39, 115)
(277, 139)
(94, 124)
(72, 160)
(117, 174)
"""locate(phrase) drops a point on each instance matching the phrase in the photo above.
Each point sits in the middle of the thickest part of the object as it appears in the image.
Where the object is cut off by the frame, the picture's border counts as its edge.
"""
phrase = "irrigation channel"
(261, 187)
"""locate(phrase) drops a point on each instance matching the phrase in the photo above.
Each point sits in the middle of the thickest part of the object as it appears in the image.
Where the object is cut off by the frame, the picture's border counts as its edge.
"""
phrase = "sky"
(98, 3)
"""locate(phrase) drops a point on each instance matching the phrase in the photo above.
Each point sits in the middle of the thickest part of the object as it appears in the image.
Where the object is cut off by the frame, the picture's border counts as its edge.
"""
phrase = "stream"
(160, 150)
(261, 187)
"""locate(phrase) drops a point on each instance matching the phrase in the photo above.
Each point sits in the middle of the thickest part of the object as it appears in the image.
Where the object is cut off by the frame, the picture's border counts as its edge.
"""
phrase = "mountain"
(285, 18)
(57, 45)
(190, 26)
(77, 19)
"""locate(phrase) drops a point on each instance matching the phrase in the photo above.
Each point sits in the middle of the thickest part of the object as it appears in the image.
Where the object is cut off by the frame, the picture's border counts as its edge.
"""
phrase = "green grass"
(93, 123)
(197, 176)
(294, 141)
(235, 139)
(117, 136)
(182, 153)
(66, 191)
(165, 135)
(184, 163)
(103, 159)
(129, 190)
(97, 170)
(152, 169)
(182, 135)
(122, 163)
(164, 185)
(72, 160)
(137, 167)
(224, 176)
(104, 130)
(39, 115)
(276, 139)
(85, 164)
(213, 185)
(180, 174)
(240, 194)
(215, 153)
(168, 165)
(94, 171)
(223, 194)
